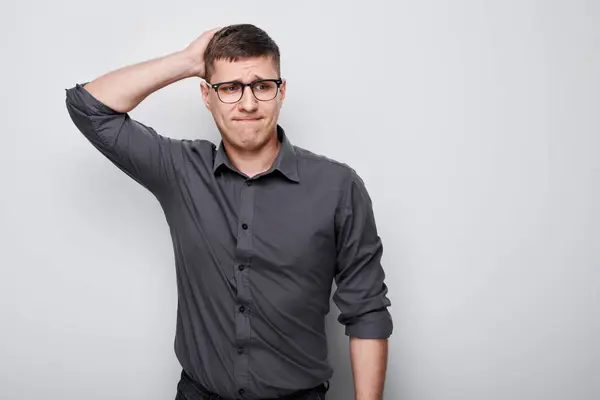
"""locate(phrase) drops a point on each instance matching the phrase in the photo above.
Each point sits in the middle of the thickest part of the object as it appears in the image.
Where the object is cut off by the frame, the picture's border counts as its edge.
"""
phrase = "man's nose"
(248, 101)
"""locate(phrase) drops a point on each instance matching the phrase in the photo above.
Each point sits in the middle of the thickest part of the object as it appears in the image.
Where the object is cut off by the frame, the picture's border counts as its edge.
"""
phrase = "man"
(260, 227)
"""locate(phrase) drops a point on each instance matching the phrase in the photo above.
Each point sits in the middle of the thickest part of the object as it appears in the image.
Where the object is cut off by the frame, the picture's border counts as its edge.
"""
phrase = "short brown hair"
(239, 41)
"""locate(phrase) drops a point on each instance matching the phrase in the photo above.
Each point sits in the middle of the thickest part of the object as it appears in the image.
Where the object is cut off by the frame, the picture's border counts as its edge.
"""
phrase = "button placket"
(243, 260)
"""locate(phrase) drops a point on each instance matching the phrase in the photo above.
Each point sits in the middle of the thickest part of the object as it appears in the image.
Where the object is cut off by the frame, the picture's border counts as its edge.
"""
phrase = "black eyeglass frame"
(215, 86)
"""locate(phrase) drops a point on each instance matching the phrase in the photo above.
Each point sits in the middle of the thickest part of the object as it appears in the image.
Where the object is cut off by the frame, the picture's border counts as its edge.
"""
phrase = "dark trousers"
(189, 389)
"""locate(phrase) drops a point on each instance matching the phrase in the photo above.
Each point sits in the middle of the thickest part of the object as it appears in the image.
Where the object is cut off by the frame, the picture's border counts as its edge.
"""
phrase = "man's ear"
(282, 90)
(205, 88)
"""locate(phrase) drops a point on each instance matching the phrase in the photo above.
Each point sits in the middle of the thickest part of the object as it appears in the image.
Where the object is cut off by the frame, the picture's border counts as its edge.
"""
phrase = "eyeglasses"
(232, 92)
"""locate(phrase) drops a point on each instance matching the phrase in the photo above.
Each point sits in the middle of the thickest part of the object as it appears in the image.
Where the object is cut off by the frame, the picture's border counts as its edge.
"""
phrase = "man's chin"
(247, 136)
(247, 141)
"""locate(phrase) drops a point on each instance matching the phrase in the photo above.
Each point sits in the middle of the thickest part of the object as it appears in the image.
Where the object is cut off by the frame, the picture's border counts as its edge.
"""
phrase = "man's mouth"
(247, 119)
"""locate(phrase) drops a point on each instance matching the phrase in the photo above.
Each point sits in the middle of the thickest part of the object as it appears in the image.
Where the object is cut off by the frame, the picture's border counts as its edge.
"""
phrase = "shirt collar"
(285, 161)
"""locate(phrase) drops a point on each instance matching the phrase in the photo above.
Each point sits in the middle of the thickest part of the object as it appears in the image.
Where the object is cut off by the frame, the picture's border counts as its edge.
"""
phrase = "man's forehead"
(244, 69)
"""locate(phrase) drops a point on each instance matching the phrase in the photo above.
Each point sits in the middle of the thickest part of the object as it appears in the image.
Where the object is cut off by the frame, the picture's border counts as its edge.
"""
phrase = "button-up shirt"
(255, 257)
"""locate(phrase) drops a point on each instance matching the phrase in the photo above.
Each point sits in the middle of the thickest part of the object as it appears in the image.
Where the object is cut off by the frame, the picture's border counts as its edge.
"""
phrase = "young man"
(260, 227)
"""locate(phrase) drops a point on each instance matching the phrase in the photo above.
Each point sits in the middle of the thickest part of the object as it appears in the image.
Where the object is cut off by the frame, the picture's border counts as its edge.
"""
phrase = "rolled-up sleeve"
(133, 147)
(361, 291)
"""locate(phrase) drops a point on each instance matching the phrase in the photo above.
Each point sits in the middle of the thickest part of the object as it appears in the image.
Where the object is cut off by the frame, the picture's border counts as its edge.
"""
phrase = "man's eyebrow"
(254, 78)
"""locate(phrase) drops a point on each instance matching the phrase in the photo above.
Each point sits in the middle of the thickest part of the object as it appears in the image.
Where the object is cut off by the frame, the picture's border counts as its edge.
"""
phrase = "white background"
(474, 124)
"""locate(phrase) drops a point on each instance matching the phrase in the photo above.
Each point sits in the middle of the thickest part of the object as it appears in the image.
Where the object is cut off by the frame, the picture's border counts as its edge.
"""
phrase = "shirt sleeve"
(361, 291)
(133, 147)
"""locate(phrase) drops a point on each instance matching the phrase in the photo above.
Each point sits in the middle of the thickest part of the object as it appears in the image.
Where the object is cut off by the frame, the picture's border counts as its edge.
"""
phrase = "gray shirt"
(255, 258)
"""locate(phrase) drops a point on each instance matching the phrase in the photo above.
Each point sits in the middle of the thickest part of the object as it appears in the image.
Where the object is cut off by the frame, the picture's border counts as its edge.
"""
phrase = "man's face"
(250, 123)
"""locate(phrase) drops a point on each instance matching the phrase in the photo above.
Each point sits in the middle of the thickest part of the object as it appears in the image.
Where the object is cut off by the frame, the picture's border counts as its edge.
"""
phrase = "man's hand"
(195, 51)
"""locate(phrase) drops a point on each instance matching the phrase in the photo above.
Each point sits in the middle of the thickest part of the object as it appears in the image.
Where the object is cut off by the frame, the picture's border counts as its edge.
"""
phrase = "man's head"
(244, 54)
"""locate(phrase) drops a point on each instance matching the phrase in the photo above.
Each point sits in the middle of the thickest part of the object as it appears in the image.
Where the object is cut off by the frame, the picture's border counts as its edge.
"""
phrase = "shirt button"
(248, 183)
(241, 391)
(244, 226)
(241, 267)
(240, 350)
(242, 309)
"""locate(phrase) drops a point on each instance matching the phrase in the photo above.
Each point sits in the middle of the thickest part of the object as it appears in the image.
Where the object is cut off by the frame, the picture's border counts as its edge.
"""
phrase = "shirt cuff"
(79, 97)
(373, 325)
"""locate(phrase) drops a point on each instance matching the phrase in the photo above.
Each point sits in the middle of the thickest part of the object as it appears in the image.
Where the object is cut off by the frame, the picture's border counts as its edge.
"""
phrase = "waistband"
(189, 387)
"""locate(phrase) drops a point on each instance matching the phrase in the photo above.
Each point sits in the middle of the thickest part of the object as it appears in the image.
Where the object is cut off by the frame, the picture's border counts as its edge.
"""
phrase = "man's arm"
(369, 364)
(361, 291)
(123, 89)
(99, 110)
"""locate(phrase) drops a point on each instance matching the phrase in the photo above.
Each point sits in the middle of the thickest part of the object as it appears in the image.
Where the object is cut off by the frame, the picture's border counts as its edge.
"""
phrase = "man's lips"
(247, 119)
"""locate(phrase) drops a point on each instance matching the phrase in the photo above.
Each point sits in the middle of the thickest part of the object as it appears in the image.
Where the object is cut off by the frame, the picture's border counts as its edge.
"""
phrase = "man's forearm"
(369, 365)
(123, 89)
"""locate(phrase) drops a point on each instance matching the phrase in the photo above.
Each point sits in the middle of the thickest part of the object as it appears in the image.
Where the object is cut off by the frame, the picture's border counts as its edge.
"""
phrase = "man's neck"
(254, 162)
